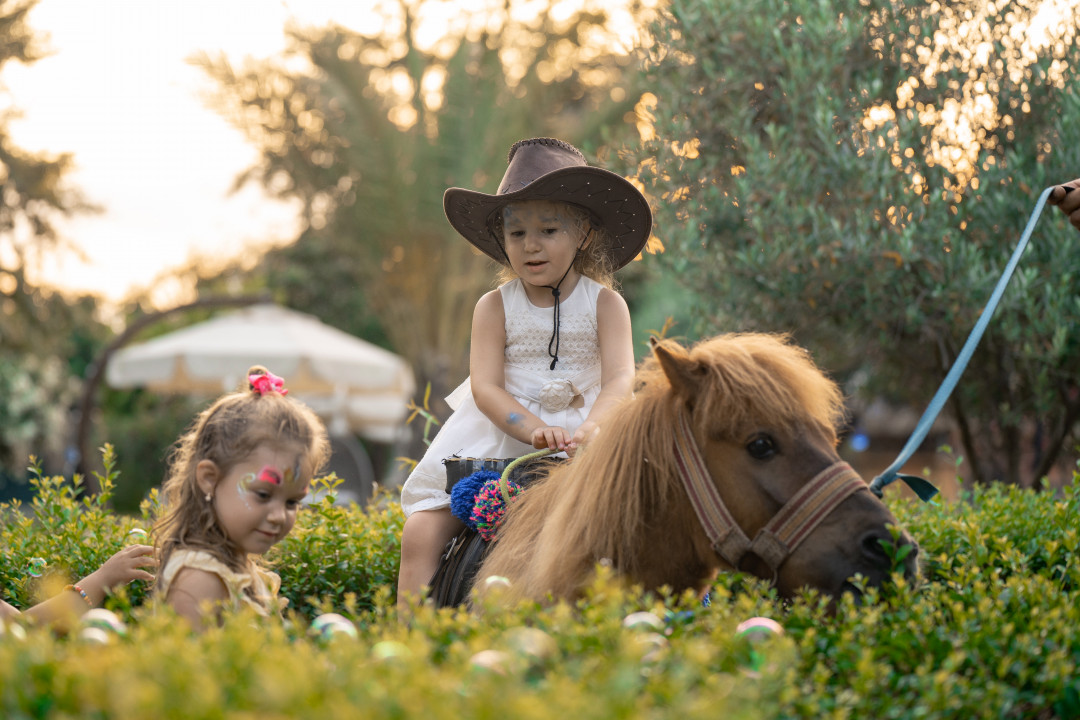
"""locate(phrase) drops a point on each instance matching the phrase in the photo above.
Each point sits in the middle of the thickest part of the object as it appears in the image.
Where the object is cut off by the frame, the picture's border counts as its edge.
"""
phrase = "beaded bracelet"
(81, 592)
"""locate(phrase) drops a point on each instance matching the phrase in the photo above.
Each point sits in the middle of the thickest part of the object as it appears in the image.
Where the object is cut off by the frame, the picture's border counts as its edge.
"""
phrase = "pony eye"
(761, 447)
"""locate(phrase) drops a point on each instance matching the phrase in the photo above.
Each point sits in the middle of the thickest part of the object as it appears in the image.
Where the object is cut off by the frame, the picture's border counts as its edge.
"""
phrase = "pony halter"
(775, 542)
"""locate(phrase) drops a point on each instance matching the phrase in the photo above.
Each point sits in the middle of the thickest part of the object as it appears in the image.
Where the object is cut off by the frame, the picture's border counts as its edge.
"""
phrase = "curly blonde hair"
(227, 433)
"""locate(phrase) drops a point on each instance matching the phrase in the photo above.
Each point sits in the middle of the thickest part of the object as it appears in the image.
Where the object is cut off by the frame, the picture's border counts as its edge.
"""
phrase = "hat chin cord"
(555, 293)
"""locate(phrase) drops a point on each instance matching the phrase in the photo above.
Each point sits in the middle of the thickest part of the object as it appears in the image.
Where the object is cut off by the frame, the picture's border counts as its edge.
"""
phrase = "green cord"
(503, 487)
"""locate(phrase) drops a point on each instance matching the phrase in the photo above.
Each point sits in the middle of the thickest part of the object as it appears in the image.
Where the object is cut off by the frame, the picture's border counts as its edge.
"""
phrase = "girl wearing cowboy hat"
(551, 349)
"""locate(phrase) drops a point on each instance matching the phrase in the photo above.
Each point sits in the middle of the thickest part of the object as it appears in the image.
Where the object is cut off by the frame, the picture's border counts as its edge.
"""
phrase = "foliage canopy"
(857, 172)
(46, 339)
(368, 130)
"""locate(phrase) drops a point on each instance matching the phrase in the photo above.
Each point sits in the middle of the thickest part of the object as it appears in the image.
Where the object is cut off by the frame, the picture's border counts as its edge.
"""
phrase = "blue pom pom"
(463, 495)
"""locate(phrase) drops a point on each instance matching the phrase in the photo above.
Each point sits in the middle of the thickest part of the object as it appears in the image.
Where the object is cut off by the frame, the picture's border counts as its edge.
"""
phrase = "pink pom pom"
(490, 507)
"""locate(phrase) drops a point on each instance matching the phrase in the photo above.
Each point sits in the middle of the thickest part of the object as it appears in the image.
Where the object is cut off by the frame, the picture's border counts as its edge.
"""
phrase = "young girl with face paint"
(551, 349)
(235, 484)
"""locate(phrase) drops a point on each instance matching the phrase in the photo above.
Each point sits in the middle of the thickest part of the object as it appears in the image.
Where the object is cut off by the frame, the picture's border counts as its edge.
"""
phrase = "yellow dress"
(263, 584)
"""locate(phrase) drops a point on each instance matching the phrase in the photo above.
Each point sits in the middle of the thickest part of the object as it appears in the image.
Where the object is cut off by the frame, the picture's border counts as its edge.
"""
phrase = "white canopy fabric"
(343, 378)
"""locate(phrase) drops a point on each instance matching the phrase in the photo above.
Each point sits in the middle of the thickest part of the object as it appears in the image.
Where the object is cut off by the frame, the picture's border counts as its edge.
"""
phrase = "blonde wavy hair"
(227, 433)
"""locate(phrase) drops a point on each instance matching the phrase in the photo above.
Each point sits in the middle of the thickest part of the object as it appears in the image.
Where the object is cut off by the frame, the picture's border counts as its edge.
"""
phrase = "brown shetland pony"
(765, 419)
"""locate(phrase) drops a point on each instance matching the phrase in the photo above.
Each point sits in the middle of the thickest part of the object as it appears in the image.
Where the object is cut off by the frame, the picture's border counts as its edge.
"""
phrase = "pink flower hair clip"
(269, 382)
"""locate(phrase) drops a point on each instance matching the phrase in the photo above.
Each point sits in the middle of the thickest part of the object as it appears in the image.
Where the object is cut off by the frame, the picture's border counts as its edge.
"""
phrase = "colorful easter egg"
(492, 661)
(643, 621)
(329, 626)
(105, 620)
(390, 650)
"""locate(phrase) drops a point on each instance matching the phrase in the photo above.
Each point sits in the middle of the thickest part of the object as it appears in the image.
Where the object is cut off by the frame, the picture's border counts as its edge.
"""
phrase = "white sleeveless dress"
(544, 392)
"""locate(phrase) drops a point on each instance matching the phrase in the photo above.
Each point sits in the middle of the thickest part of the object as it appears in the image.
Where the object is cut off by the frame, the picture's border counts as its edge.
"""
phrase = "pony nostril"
(914, 552)
(881, 549)
(874, 545)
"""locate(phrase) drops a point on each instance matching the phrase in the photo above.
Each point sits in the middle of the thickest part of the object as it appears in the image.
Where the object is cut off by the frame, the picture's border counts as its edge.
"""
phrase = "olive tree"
(45, 337)
(857, 172)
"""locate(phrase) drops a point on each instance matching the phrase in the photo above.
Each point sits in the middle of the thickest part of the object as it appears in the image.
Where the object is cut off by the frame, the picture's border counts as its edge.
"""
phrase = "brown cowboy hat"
(550, 169)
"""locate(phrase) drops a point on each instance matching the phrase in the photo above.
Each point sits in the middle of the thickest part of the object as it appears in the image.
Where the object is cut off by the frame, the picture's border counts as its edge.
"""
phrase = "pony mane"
(624, 483)
(748, 378)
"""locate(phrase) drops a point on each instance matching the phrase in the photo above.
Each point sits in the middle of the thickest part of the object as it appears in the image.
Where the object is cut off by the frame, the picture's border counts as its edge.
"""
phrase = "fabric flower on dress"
(556, 395)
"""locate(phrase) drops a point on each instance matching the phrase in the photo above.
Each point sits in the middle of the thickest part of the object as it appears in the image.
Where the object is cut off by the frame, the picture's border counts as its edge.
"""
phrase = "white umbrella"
(354, 384)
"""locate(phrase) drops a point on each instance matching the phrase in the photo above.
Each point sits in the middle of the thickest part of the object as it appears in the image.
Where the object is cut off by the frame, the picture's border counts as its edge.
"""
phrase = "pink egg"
(759, 626)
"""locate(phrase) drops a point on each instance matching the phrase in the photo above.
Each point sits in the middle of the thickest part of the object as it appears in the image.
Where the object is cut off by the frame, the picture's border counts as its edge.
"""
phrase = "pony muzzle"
(796, 520)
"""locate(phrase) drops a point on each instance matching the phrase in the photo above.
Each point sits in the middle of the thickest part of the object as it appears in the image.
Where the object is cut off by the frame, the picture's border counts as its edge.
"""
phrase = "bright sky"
(118, 93)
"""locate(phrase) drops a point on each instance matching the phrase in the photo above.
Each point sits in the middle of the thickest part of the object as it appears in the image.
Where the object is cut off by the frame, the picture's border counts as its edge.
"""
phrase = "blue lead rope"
(923, 488)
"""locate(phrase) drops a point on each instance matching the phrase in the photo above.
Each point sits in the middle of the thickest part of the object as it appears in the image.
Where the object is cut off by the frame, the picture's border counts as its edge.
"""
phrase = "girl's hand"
(585, 432)
(125, 566)
(551, 437)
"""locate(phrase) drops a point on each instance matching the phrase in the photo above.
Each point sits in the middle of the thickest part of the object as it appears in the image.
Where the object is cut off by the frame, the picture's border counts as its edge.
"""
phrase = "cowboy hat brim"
(612, 200)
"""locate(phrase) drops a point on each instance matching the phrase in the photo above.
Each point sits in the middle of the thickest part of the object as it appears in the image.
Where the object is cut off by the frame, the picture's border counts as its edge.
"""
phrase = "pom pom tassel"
(463, 495)
(490, 506)
(480, 500)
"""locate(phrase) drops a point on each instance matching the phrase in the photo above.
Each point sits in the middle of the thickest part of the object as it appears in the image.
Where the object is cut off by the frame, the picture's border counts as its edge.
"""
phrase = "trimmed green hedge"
(992, 630)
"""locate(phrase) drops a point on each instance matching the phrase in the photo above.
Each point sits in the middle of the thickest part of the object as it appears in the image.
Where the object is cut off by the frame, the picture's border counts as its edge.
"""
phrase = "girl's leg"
(423, 540)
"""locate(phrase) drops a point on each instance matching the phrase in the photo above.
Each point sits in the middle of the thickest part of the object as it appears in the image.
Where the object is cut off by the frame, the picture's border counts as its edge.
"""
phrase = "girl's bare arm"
(120, 569)
(194, 593)
(616, 361)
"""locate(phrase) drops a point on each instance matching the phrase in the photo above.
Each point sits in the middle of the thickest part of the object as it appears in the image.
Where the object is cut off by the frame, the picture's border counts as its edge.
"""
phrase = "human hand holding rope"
(1067, 201)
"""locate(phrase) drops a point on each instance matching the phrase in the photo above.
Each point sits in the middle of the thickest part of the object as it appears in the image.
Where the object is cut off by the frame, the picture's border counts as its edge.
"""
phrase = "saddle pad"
(453, 579)
(462, 467)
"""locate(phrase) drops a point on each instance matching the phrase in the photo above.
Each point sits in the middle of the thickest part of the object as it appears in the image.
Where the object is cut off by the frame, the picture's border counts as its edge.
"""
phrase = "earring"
(208, 497)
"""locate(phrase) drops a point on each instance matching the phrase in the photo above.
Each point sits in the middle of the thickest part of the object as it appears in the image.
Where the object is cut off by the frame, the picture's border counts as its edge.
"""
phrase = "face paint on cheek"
(244, 485)
(243, 488)
(294, 476)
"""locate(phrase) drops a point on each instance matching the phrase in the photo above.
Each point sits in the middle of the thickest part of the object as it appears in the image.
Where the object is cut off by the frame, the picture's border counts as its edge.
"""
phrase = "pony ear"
(683, 373)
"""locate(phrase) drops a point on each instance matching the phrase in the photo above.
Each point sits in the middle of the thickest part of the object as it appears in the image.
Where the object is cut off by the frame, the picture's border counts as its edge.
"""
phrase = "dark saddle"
(453, 579)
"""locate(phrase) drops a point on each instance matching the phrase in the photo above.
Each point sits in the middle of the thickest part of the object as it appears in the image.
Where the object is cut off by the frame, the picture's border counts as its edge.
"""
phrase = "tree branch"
(1057, 441)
